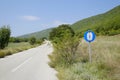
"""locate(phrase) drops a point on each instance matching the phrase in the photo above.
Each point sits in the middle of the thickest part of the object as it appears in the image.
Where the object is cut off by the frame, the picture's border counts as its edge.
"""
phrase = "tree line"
(5, 38)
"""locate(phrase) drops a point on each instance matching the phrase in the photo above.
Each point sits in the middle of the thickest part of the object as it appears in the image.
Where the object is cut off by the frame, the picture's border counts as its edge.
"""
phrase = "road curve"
(31, 64)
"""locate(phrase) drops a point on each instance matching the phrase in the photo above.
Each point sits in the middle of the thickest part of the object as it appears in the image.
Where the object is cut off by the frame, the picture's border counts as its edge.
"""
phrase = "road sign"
(89, 36)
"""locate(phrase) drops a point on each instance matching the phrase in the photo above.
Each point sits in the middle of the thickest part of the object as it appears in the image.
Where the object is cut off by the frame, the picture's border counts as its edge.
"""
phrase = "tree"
(32, 40)
(4, 36)
(61, 33)
(65, 45)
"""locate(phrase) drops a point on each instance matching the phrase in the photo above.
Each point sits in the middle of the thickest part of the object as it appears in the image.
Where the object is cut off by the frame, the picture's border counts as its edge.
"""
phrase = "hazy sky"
(26, 16)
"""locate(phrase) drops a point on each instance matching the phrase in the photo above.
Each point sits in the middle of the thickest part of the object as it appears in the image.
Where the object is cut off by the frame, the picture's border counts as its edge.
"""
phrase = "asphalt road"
(28, 65)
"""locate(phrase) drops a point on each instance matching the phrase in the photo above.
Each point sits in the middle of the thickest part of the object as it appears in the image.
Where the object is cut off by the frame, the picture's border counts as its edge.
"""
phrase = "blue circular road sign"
(89, 36)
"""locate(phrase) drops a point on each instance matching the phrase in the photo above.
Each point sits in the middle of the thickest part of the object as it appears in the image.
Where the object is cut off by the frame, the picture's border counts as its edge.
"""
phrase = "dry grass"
(106, 53)
(14, 48)
(105, 61)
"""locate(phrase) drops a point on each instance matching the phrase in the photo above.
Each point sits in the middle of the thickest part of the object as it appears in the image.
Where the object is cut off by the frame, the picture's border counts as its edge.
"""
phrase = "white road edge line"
(15, 69)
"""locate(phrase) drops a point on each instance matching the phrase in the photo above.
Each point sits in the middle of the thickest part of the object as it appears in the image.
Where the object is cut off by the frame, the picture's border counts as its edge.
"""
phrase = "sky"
(28, 16)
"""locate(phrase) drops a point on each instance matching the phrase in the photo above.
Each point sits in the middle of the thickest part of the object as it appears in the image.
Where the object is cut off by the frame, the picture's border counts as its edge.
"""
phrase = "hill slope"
(38, 35)
(105, 24)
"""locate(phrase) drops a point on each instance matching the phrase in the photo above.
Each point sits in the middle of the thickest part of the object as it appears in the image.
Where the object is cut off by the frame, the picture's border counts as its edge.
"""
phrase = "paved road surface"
(28, 65)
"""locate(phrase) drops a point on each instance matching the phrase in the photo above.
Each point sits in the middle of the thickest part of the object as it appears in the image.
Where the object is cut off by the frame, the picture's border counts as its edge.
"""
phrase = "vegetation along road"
(28, 65)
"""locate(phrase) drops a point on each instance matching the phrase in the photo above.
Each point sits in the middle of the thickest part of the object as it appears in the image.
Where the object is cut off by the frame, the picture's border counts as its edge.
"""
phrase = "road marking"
(15, 69)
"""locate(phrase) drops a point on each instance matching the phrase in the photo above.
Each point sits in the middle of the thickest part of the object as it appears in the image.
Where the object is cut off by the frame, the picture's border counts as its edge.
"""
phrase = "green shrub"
(65, 46)
(32, 40)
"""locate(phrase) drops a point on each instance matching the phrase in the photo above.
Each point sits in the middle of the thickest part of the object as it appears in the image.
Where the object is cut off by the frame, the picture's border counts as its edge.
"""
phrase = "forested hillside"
(103, 24)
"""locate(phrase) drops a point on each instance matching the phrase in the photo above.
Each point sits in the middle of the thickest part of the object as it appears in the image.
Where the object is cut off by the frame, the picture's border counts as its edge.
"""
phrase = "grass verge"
(14, 48)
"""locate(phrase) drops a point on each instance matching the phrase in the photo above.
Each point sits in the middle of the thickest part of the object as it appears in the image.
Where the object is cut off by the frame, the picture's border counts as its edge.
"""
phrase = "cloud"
(57, 23)
(30, 18)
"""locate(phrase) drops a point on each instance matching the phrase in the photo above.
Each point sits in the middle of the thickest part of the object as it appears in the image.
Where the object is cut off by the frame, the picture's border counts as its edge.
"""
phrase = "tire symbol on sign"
(89, 36)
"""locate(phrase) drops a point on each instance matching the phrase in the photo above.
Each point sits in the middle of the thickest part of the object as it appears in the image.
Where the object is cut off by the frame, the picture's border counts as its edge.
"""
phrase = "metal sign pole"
(89, 36)
(90, 54)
